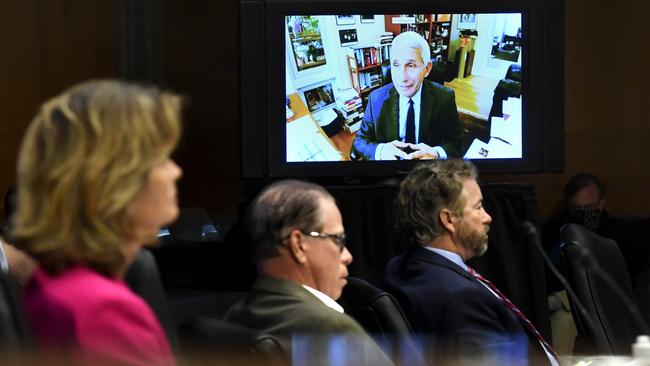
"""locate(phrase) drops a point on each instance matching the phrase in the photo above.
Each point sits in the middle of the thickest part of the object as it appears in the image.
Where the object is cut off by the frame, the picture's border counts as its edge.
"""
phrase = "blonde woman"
(95, 185)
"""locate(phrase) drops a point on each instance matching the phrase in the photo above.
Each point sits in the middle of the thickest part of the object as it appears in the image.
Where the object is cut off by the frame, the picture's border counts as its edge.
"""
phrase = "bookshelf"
(435, 28)
(365, 65)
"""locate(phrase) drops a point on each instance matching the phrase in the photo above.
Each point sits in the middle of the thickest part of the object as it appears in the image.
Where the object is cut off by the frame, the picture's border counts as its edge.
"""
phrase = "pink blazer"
(95, 318)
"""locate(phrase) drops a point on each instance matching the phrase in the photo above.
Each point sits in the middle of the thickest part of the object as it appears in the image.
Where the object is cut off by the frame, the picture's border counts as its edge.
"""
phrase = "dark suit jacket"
(305, 327)
(439, 123)
(463, 318)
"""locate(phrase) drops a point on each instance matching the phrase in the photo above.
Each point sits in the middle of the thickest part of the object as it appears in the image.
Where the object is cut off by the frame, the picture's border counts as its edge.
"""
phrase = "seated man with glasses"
(584, 204)
(302, 262)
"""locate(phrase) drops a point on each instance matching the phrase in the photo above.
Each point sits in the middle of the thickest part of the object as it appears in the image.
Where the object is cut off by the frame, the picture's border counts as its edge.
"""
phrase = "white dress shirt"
(403, 112)
(325, 299)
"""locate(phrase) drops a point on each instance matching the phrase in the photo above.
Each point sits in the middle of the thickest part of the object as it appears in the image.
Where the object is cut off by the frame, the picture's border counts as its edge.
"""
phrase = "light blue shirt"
(454, 257)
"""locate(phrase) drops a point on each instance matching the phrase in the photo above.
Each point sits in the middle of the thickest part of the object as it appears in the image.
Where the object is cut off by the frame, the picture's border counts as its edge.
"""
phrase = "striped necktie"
(515, 310)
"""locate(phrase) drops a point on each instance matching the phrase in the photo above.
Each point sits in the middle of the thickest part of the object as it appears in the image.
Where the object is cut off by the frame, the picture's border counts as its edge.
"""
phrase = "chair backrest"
(13, 327)
(376, 310)
(381, 316)
(597, 274)
(144, 279)
(222, 336)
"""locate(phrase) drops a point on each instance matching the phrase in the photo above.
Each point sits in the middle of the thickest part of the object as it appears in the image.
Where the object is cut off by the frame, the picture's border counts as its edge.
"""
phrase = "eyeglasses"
(338, 239)
(592, 206)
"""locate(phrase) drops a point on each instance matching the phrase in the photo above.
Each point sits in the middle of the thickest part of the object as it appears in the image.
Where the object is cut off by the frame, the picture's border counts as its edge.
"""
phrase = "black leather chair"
(144, 279)
(14, 334)
(508, 87)
(222, 337)
(597, 274)
(381, 316)
(376, 310)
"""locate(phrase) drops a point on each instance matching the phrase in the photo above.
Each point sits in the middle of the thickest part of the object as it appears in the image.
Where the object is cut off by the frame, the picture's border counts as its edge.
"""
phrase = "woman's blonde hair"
(84, 158)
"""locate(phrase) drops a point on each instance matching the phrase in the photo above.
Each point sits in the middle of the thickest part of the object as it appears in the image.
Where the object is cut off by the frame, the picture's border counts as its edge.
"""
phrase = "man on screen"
(410, 118)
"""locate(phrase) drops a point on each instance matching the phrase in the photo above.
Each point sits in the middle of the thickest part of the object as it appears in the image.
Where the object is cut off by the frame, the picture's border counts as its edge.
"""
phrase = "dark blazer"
(304, 325)
(439, 123)
(463, 318)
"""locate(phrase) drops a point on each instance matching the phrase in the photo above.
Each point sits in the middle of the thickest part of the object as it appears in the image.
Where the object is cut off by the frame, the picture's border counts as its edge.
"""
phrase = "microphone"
(531, 233)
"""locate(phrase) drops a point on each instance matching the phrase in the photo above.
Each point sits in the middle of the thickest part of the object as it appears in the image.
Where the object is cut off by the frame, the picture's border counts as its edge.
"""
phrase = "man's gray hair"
(280, 208)
(413, 40)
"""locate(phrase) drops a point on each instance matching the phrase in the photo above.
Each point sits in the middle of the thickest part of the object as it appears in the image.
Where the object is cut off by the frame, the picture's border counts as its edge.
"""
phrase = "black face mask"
(588, 216)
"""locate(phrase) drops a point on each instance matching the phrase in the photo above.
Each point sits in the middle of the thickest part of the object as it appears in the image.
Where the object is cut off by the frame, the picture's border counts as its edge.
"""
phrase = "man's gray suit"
(309, 331)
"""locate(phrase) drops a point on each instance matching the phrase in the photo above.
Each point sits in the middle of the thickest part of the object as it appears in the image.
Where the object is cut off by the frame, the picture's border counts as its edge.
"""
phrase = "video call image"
(403, 87)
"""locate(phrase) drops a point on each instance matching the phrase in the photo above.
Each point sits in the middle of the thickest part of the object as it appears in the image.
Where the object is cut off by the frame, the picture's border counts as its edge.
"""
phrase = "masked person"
(584, 204)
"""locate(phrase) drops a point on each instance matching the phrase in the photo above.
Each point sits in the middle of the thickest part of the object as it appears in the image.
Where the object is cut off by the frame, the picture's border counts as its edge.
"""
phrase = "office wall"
(48, 45)
(607, 125)
(200, 59)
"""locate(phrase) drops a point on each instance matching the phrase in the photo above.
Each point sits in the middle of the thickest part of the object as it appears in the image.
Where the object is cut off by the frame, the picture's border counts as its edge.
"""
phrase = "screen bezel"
(537, 128)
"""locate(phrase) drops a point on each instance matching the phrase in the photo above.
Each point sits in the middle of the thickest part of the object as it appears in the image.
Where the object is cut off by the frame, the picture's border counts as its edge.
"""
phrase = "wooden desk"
(298, 107)
(342, 141)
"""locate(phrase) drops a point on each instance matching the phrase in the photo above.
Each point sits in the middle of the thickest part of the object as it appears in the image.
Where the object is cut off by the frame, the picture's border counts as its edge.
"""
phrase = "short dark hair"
(427, 189)
(280, 208)
(580, 181)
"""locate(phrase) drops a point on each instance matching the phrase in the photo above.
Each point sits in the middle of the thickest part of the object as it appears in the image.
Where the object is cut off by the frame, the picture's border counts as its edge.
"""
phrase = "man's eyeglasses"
(592, 206)
(338, 239)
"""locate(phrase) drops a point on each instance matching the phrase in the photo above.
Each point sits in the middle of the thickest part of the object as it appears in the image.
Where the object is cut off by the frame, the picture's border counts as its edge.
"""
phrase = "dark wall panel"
(46, 47)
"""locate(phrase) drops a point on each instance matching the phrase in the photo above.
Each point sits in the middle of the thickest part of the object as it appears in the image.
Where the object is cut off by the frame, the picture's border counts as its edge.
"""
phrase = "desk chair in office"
(597, 274)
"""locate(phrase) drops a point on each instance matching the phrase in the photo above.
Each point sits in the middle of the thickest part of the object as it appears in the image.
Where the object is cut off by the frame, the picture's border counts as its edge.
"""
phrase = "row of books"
(385, 40)
(367, 56)
(349, 105)
(369, 80)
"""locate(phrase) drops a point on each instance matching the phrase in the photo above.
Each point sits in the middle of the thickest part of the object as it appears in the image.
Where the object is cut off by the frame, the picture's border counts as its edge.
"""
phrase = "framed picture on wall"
(367, 18)
(467, 21)
(348, 37)
(345, 20)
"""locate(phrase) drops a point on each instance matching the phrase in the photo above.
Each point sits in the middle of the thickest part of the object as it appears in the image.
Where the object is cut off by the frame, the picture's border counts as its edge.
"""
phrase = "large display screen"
(404, 86)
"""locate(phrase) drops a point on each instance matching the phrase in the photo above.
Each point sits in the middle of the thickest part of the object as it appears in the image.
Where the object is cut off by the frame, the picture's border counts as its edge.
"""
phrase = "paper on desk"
(508, 131)
(306, 143)
(495, 149)
(477, 150)
(512, 107)
(505, 135)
